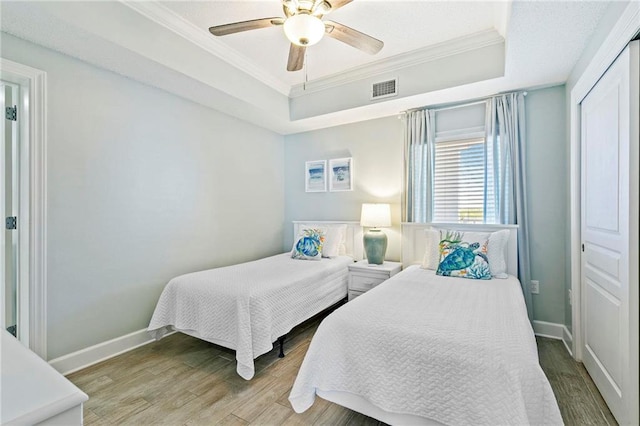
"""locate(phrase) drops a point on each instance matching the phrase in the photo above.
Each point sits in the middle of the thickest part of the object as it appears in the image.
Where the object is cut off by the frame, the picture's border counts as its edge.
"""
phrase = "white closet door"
(610, 235)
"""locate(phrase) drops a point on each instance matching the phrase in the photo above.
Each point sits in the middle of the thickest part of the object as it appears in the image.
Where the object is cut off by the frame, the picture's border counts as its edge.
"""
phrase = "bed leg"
(281, 341)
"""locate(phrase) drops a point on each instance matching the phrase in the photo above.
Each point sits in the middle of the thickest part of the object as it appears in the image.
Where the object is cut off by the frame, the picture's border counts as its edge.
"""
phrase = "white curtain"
(418, 153)
(506, 131)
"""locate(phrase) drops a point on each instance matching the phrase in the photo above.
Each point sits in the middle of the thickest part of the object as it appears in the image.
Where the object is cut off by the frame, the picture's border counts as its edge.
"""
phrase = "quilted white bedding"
(246, 307)
(451, 350)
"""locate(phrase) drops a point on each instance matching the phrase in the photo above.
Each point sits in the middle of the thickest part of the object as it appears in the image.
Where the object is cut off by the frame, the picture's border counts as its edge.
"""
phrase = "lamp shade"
(304, 29)
(375, 215)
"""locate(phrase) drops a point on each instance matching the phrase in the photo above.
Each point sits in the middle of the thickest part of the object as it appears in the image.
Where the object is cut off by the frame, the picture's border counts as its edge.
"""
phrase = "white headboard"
(353, 239)
(414, 240)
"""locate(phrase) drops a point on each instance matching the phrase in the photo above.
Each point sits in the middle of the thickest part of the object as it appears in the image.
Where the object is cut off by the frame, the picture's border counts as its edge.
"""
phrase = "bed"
(427, 349)
(247, 307)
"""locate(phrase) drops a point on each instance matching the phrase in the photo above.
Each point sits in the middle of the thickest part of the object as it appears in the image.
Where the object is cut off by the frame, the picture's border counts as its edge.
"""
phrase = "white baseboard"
(548, 329)
(567, 339)
(102, 351)
(554, 331)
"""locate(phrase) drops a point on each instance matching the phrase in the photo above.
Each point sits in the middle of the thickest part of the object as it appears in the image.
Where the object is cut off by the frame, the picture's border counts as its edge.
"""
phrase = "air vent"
(384, 89)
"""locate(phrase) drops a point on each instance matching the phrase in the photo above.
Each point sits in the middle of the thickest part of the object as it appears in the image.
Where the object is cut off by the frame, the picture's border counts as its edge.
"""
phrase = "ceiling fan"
(303, 26)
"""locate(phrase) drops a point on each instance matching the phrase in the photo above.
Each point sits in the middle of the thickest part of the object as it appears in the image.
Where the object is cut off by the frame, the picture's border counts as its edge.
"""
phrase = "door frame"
(32, 223)
(22, 320)
(627, 26)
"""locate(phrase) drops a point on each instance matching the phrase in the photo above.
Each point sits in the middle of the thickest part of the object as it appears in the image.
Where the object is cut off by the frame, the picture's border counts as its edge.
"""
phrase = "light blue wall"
(377, 149)
(547, 199)
(142, 186)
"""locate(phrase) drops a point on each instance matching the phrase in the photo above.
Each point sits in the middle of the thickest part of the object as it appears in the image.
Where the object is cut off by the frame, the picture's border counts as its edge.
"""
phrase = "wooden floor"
(181, 380)
(578, 398)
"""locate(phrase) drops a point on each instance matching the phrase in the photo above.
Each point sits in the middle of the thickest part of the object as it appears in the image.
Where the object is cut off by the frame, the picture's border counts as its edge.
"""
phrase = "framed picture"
(315, 176)
(341, 174)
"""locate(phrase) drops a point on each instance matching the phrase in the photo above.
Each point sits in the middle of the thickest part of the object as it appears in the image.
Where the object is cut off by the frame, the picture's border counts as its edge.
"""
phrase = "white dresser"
(33, 392)
(363, 277)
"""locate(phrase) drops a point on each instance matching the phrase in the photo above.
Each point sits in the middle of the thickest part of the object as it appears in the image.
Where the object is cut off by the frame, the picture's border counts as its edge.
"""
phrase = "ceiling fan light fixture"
(306, 5)
(304, 29)
(322, 8)
(290, 7)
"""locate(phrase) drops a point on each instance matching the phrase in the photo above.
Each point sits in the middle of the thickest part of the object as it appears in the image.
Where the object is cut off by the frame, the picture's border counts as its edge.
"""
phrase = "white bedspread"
(453, 350)
(246, 307)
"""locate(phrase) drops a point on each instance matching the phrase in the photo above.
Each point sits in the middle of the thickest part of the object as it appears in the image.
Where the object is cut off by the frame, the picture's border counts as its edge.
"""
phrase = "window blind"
(460, 181)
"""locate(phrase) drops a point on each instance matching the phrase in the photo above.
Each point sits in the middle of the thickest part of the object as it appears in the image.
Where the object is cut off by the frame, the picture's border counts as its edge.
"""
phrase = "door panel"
(603, 332)
(601, 154)
(607, 223)
(605, 263)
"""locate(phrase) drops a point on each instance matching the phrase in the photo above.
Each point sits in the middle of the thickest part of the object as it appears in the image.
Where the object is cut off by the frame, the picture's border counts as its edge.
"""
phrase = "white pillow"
(432, 251)
(334, 240)
(496, 252)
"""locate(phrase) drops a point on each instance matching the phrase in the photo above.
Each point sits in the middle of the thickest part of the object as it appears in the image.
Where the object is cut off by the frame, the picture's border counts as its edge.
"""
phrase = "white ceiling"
(167, 45)
(403, 26)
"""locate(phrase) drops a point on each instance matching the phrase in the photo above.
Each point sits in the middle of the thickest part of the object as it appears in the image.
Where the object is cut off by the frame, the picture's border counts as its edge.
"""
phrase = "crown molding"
(622, 32)
(176, 23)
(395, 63)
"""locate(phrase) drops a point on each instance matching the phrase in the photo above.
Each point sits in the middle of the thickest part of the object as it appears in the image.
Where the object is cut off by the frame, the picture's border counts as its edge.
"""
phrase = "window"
(463, 185)
(453, 175)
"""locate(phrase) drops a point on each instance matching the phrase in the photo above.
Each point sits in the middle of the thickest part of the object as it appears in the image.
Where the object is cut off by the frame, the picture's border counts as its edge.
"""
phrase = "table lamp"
(375, 216)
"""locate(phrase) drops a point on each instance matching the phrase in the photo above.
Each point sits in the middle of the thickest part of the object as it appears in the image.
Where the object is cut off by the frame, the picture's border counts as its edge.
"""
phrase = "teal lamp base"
(375, 245)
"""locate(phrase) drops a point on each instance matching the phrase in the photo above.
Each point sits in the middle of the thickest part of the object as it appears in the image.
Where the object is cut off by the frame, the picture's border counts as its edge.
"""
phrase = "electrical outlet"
(535, 287)
(570, 298)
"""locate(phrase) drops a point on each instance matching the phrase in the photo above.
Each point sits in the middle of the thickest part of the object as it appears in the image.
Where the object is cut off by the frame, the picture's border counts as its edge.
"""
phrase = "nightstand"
(363, 277)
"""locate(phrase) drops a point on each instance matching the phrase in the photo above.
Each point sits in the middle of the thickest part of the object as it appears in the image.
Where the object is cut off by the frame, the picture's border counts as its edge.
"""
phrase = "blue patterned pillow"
(308, 245)
(463, 259)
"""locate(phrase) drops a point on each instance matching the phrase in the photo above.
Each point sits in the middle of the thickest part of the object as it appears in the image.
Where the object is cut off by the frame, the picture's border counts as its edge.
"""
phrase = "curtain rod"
(461, 105)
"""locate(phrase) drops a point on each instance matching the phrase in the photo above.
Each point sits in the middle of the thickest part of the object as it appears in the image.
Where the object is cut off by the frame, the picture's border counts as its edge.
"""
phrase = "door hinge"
(11, 222)
(11, 113)
(583, 247)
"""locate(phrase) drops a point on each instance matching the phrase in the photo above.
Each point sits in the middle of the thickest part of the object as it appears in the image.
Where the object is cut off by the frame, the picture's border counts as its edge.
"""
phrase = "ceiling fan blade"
(296, 57)
(337, 4)
(353, 37)
(236, 27)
